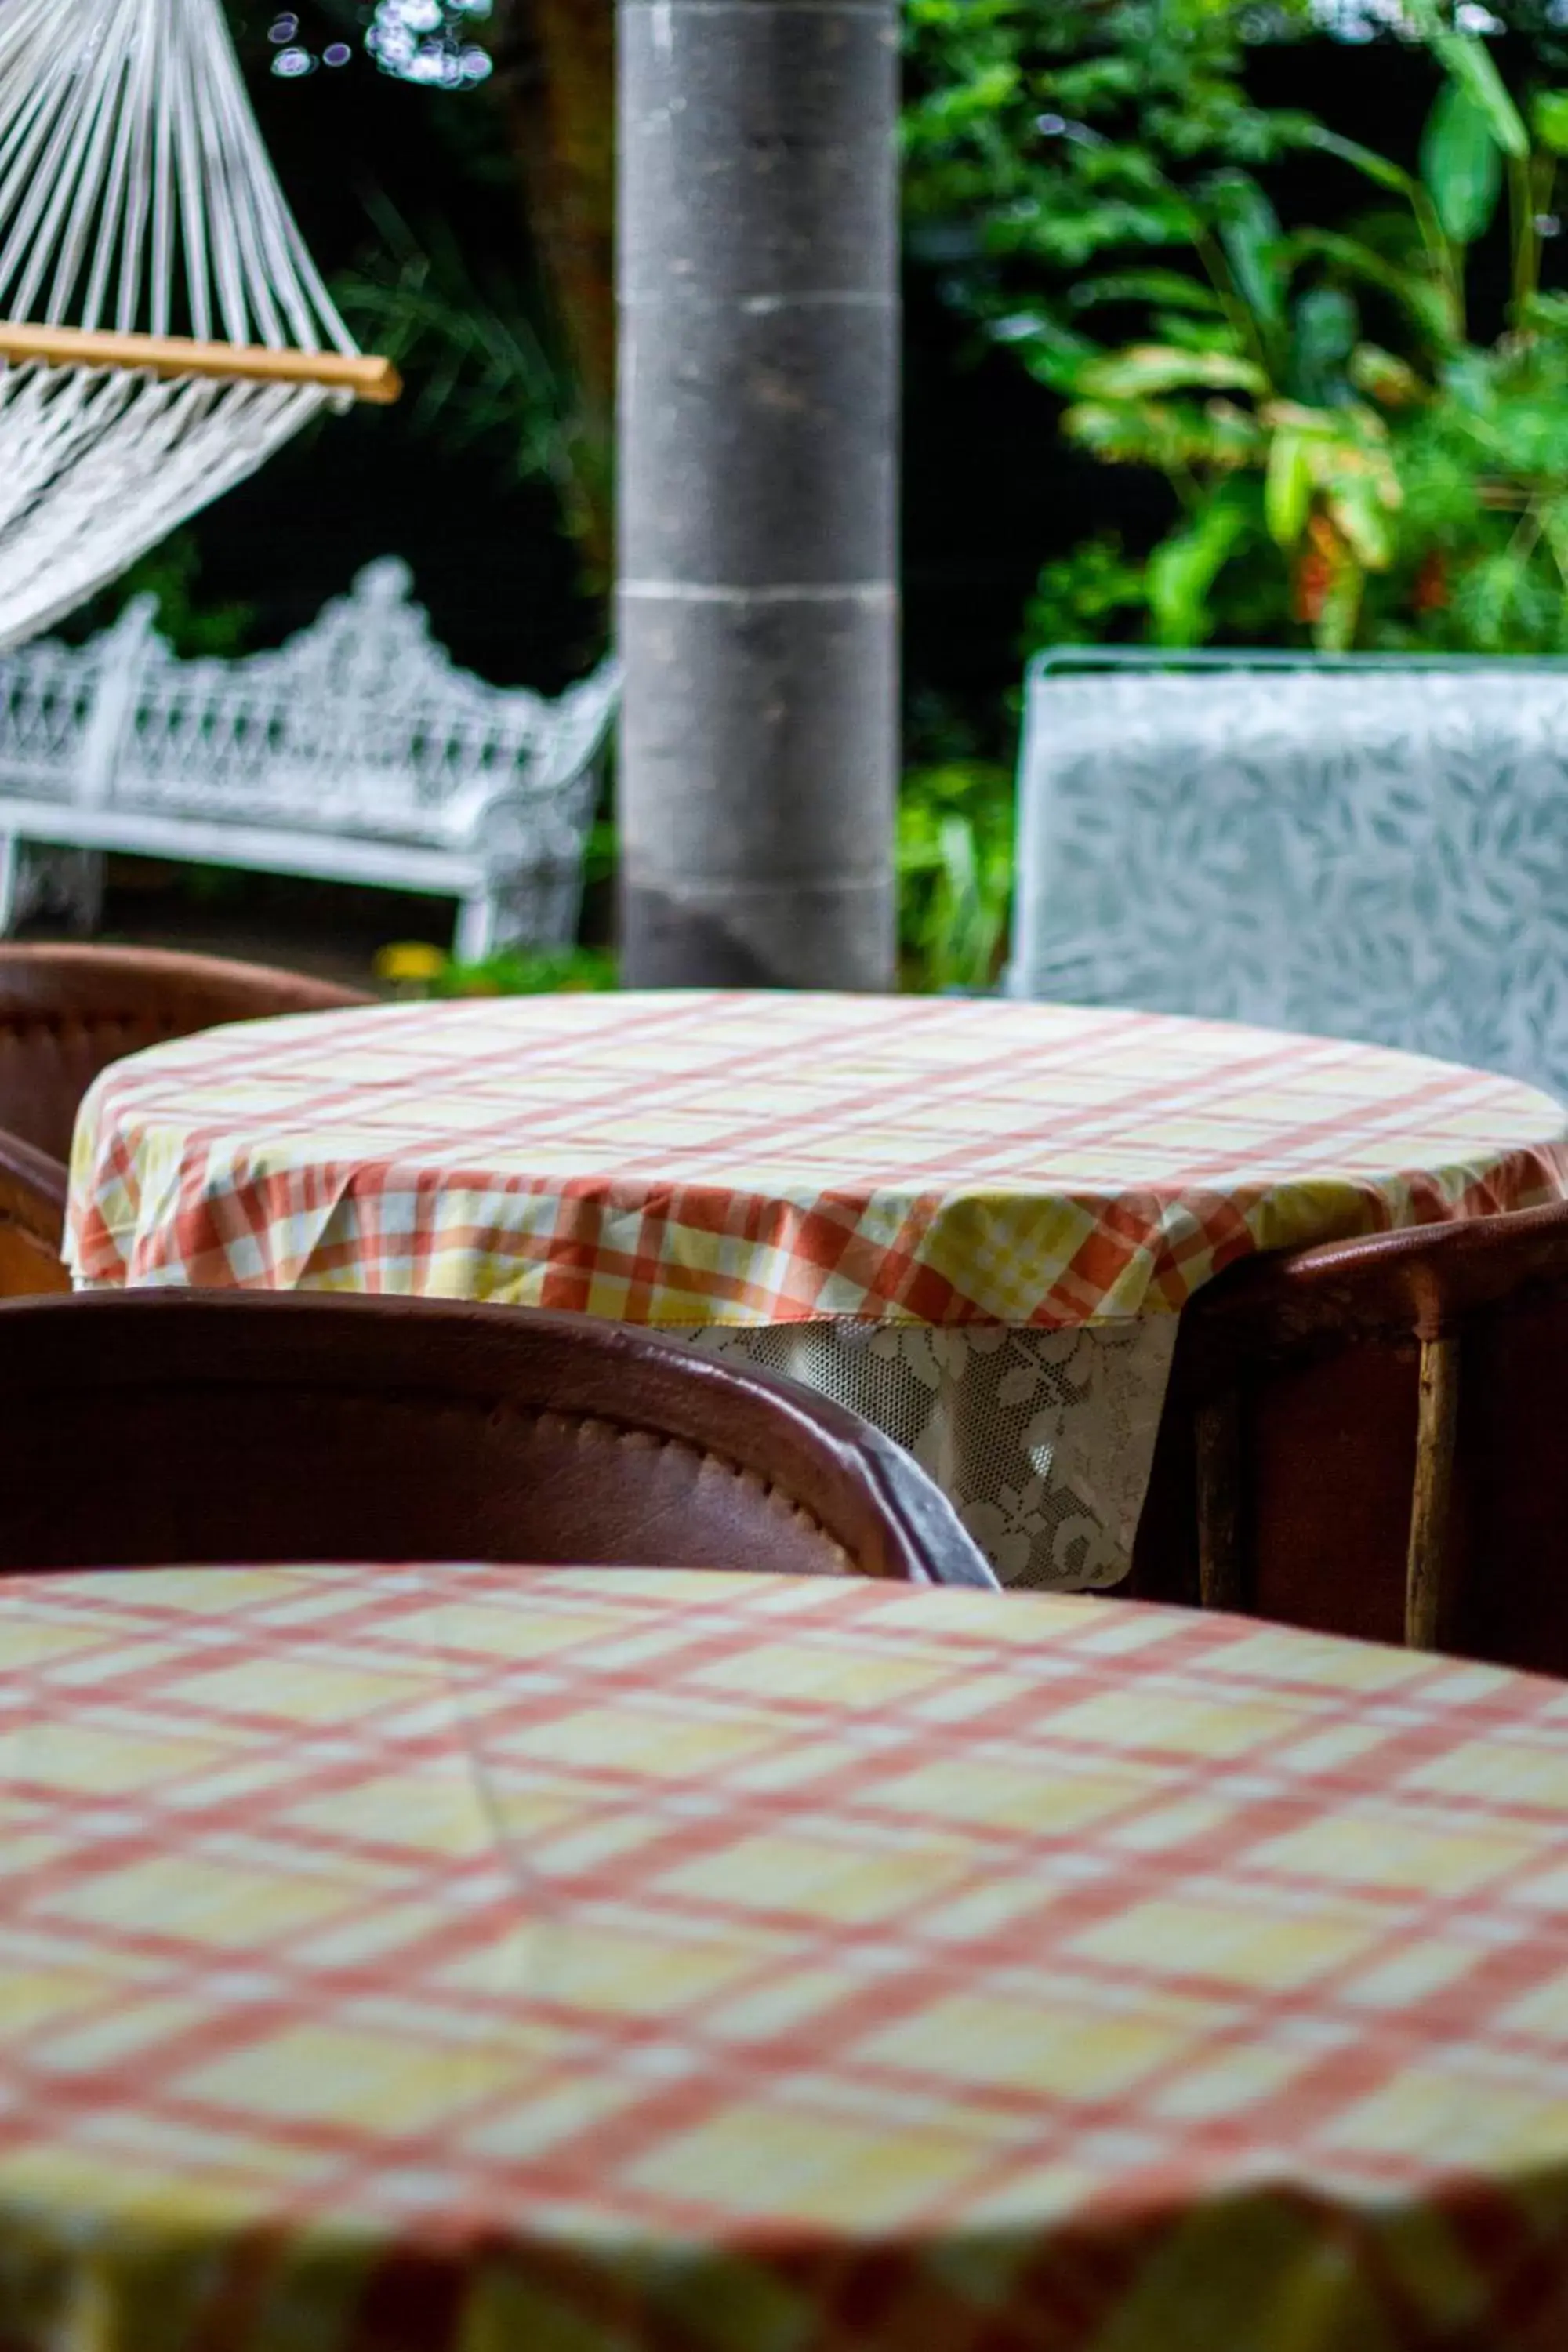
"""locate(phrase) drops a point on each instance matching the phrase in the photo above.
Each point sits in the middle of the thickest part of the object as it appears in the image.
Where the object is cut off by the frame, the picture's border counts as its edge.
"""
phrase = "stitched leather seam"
(623, 1432)
(634, 1433)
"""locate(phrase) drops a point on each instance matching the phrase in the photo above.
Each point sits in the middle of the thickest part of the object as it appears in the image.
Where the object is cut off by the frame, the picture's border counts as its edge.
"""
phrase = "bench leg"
(476, 928)
(42, 878)
(79, 885)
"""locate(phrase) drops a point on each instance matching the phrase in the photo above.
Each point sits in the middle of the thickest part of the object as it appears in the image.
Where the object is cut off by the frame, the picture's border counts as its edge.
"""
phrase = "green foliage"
(520, 972)
(1468, 65)
(1343, 461)
(955, 873)
(1181, 570)
(484, 371)
(172, 572)
(1043, 139)
(1461, 163)
(1085, 596)
(1483, 561)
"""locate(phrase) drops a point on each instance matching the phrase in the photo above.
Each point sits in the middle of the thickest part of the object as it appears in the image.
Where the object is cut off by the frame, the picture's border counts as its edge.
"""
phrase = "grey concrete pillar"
(758, 486)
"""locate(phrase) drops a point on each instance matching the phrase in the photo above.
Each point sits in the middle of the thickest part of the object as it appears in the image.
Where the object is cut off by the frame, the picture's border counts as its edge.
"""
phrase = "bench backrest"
(359, 723)
(1355, 849)
(49, 693)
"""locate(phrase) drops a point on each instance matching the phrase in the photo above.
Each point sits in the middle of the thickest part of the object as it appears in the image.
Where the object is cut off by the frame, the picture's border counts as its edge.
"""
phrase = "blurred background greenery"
(1340, 358)
(1228, 321)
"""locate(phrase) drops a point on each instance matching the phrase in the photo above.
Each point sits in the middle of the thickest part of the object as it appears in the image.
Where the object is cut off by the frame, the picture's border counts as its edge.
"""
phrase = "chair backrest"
(1354, 848)
(1368, 1438)
(182, 1426)
(66, 1013)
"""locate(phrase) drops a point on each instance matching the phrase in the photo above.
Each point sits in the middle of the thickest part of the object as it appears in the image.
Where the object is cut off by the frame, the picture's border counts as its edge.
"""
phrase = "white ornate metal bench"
(1365, 847)
(356, 751)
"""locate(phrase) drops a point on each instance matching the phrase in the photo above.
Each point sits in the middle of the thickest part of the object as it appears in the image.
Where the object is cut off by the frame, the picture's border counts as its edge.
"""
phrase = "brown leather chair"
(66, 1013)
(1372, 1438)
(165, 1425)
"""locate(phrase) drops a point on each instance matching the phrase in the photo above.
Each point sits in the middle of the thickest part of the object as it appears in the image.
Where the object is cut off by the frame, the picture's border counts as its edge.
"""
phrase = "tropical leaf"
(1184, 568)
(1547, 312)
(1461, 164)
(1072, 235)
(1423, 301)
(1236, 438)
(1469, 67)
(1186, 333)
(1350, 427)
(1554, 529)
(1365, 160)
(1167, 286)
(1501, 604)
(1089, 88)
(1345, 455)
(1174, 436)
(1333, 632)
(1323, 330)
(1254, 246)
(954, 848)
(1287, 488)
(1053, 355)
(1149, 368)
(1385, 378)
(1357, 507)
(958, 106)
(1548, 113)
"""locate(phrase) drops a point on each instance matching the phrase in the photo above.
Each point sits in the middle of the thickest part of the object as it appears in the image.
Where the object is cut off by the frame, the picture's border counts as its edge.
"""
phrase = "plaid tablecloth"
(460, 1958)
(972, 1220)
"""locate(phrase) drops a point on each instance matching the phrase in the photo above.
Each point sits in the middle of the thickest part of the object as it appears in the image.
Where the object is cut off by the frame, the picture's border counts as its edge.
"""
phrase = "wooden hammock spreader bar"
(366, 378)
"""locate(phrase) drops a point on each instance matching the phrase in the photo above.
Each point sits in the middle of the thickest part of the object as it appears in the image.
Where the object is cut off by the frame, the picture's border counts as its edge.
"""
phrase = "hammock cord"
(135, 195)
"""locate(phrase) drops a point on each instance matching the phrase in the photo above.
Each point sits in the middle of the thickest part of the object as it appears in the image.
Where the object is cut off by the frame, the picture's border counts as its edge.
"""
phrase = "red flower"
(1430, 592)
(1315, 570)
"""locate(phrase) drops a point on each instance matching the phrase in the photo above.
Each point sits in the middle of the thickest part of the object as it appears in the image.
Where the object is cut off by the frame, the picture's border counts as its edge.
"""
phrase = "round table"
(972, 1222)
(466, 1957)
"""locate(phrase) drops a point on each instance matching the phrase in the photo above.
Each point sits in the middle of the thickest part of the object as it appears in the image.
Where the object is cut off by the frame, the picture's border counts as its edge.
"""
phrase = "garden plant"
(1348, 462)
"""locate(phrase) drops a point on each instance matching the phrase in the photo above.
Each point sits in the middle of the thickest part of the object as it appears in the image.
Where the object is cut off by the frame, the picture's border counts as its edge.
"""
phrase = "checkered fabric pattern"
(691, 1159)
(462, 1958)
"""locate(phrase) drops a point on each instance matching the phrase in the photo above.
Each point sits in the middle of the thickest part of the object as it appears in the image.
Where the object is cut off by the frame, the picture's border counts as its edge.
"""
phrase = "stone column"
(758, 490)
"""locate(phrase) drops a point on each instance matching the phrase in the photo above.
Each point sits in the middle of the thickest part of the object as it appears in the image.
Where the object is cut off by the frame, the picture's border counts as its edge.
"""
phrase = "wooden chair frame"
(1421, 1291)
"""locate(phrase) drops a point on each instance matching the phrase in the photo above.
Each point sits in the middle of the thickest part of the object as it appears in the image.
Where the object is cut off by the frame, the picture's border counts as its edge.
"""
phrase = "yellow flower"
(410, 960)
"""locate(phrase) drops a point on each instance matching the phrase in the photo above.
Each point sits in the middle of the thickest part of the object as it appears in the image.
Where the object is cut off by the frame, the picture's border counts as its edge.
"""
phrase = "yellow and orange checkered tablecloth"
(465, 1957)
(697, 1159)
(972, 1222)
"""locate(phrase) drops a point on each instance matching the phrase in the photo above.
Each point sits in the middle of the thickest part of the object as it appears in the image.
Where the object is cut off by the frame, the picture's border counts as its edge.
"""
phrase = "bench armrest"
(572, 735)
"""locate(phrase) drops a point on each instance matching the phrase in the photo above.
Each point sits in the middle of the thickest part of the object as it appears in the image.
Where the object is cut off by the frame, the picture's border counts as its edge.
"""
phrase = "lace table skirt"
(1042, 1440)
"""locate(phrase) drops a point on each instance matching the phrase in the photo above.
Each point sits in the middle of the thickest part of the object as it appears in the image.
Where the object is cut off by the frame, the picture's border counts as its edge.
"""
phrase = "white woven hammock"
(163, 329)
